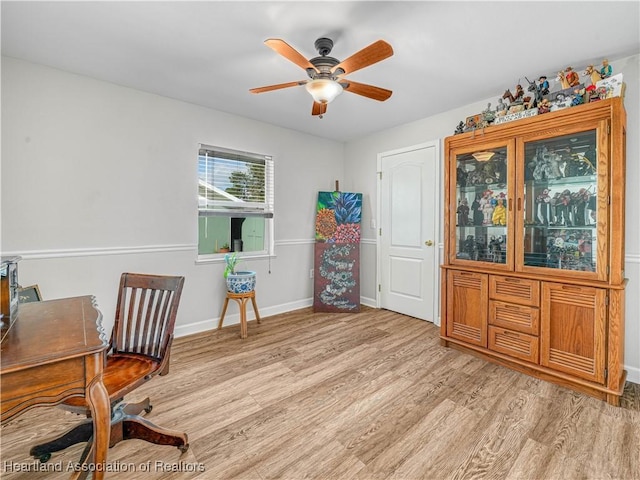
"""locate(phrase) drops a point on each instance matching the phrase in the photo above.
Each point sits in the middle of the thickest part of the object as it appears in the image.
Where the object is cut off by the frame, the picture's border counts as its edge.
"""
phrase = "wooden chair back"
(140, 345)
(146, 315)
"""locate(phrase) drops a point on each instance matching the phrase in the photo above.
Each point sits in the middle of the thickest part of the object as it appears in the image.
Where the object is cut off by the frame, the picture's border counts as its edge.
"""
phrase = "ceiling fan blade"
(374, 53)
(369, 91)
(276, 87)
(318, 108)
(288, 52)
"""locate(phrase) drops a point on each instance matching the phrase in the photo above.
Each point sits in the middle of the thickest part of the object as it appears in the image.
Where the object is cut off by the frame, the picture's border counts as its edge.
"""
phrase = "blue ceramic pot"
(241, 282)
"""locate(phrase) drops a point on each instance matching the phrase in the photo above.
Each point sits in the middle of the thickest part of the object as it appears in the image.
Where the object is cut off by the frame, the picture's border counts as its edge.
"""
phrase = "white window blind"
(234, 183)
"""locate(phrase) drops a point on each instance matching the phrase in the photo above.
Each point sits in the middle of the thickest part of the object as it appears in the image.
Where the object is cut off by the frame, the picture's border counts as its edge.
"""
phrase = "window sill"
(242, 256)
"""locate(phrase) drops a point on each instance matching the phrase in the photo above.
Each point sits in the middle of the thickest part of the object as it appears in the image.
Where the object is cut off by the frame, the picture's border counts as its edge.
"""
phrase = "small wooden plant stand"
(242, 299)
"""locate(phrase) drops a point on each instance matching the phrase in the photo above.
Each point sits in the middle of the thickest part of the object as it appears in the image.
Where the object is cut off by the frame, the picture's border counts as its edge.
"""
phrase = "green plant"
(230, 260)
(225, 246)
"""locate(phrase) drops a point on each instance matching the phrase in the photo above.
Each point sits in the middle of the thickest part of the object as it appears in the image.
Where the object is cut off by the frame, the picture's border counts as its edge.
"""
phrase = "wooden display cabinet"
(533, 272)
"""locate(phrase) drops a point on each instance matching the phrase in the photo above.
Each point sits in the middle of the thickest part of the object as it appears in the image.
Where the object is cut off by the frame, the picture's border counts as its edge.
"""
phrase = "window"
(235, 201)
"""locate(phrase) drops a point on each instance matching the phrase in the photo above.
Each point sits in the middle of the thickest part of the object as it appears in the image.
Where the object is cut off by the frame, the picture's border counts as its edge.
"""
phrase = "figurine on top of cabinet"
(535, 89)
(600, 93)
(561, 101)
(593, 75)
(578, 97)
(543, 85)
(501, 107)
(471, 123)
(562, 78)
(463, 212)
(607, 70)
(544, 106)
(519, 95)
(459, 128)
(488, 115)
(516, 98)
(571, 77)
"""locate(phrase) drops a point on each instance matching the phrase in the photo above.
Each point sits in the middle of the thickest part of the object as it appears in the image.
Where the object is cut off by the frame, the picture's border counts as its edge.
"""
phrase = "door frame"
(436, 205)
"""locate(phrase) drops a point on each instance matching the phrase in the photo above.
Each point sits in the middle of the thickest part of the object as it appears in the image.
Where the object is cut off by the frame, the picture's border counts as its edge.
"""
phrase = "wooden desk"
(55, 350)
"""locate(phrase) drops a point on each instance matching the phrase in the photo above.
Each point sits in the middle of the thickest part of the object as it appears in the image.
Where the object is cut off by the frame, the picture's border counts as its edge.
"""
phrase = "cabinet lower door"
(573, 326)
(467, 306)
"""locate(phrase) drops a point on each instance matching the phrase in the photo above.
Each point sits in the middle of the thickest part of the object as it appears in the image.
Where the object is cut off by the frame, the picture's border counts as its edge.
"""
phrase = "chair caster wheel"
(44, 458)
(183, 448)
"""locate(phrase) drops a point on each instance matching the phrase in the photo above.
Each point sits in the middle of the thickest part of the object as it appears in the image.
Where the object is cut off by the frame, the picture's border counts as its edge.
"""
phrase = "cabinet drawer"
(515, 344)
(516, 290)
(520, 318)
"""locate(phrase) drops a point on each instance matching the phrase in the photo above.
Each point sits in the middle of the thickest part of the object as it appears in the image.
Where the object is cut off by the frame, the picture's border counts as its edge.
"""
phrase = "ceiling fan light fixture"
(323, 90)
(483, 156)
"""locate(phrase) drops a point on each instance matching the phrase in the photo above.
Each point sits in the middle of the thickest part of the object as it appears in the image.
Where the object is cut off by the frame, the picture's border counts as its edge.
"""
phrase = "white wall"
(360, 175)
(98, 179)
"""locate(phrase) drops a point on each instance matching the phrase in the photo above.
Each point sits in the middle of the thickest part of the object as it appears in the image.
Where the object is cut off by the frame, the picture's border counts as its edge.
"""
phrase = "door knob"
(428, 243)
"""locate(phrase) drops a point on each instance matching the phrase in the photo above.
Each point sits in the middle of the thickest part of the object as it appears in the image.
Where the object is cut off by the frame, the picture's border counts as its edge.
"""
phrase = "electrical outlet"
(311, 273)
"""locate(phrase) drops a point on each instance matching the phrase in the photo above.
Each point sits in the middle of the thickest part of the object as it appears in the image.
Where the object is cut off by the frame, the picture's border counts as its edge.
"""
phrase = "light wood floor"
(352, 396)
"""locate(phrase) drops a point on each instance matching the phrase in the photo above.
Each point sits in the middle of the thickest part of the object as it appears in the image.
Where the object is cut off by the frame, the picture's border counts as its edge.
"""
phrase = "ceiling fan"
(327, 73)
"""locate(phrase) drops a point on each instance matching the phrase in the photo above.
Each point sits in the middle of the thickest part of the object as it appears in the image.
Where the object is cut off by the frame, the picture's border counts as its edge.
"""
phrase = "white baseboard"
(369, 302)
(633, 374)
(234, 319)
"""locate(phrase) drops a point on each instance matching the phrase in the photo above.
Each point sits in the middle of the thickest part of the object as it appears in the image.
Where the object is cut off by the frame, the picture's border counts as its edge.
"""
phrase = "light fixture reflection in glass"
(323, 90)
(483, 156)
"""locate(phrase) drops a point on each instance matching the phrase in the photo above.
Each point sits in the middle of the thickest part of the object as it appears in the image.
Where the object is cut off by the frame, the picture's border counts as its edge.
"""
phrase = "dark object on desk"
(139, 350)
(29, 294)
(8, 289)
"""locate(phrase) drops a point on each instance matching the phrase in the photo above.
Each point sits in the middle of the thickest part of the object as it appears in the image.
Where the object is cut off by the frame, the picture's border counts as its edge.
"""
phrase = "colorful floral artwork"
(338, 217)
(337, 252)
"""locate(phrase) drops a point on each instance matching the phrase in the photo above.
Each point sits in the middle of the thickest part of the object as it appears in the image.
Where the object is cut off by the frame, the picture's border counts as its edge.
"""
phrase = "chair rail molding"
(102, 251)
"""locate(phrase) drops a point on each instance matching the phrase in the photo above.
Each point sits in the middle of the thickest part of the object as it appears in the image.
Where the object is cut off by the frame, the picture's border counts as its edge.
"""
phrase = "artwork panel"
(337, 278)
(338, 217)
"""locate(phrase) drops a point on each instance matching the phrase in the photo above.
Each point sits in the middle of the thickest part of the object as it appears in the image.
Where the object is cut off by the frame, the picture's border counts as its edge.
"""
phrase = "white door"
(408, 196)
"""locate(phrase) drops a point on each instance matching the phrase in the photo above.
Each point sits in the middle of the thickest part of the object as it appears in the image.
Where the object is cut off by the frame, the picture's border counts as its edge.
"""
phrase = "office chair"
(139, 350)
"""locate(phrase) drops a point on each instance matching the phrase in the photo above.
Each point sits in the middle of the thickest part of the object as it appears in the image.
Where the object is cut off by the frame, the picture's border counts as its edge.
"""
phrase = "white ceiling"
(447, 54)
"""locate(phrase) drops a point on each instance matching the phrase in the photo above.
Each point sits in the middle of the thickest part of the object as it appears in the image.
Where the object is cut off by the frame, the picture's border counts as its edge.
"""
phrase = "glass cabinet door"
(561, 204)
(482, 209)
